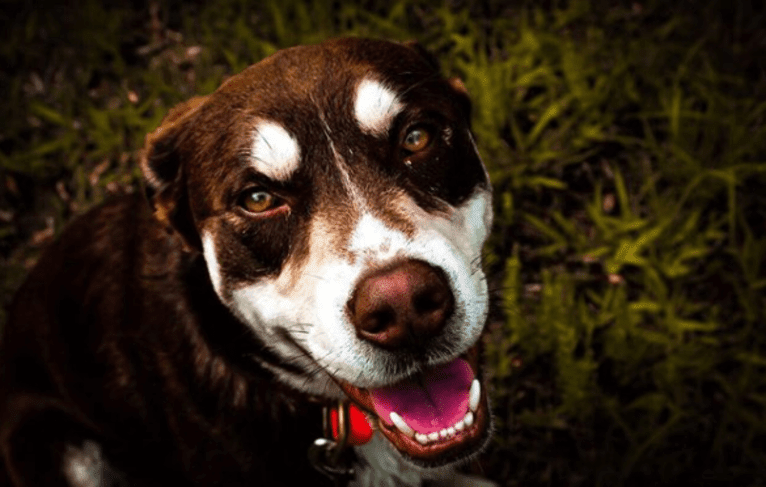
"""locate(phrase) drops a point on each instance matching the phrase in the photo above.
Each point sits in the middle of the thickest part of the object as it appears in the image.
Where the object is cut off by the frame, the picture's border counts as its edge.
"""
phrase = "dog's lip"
(459, 445)
(444, 451)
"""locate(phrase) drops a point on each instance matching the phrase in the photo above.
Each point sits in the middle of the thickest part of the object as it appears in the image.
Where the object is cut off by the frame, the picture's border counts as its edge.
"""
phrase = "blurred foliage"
(627, 146)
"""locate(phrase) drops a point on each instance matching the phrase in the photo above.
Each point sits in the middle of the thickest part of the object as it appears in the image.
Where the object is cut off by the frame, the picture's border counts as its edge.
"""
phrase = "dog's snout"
(403, 305)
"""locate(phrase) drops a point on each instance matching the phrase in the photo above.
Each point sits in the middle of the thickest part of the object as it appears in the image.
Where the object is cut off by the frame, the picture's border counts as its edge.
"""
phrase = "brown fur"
(117, 337)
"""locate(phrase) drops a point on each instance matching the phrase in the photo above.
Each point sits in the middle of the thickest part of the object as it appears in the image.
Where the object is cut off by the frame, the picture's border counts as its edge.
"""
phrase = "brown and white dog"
(313, 232)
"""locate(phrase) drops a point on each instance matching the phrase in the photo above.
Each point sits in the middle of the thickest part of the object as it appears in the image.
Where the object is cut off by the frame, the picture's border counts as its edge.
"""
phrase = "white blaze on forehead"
(275, 152)
(375, 106)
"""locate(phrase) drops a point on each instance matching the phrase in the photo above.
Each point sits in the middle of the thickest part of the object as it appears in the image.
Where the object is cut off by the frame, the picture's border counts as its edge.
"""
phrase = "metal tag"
(326, 455)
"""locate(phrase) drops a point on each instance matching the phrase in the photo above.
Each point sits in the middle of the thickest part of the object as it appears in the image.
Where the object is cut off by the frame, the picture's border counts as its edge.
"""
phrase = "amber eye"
(258, 201)
(416, 140)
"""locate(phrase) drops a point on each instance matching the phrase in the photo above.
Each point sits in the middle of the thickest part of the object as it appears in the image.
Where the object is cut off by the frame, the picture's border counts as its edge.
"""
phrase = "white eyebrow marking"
(275, 152)
(375, 106)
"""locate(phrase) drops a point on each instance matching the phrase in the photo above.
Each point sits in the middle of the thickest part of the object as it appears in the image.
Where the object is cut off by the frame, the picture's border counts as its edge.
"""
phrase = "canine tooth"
(460, 425)
(422, 439)
(474, 395)
(443, 433)
(451, 431)
(433, 436)
(468, 418)
(401, 425)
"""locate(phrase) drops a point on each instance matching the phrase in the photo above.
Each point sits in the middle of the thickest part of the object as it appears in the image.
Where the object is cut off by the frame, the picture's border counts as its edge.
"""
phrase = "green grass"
(627, 148)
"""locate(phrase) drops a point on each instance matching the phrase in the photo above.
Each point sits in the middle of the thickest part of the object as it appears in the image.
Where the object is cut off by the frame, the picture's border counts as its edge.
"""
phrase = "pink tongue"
(431, 401)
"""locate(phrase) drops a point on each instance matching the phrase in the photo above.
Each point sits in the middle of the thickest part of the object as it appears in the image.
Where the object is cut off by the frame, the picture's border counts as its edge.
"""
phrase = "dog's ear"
(163, 170)
(456, 83)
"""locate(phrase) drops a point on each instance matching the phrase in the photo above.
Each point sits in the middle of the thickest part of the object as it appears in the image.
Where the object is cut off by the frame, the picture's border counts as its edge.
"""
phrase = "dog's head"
(340, 204)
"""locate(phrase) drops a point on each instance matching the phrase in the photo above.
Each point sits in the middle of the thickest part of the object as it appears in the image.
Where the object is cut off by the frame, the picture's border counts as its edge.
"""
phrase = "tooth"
(433, 436)
(451, 431)
(459, 425)
(401, 425)
(443, 433)
(422, 439)
(468, 418)
(474, 395)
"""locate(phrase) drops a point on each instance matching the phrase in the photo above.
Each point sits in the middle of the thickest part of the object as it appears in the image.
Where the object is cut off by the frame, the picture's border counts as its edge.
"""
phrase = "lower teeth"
(425, 438)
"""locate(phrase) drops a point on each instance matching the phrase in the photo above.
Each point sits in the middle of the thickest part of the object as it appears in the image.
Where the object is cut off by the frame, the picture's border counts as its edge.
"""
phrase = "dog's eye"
(416, 140)
(258, 200)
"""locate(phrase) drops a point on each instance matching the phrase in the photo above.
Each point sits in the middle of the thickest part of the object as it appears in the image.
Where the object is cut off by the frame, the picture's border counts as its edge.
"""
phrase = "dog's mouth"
(435, 417)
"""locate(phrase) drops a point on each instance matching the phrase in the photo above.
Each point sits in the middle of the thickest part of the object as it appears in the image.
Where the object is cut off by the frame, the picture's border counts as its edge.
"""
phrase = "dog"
(309, 233)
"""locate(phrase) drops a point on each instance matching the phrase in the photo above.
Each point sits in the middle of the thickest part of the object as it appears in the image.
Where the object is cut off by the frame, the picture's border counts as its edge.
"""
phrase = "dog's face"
(340, 205)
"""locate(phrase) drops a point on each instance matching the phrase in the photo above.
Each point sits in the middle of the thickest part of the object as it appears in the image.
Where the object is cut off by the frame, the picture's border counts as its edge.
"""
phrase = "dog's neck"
(378, 464)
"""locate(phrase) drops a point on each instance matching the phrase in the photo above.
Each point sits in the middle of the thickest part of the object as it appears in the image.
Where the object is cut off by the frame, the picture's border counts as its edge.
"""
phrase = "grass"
(627, 148)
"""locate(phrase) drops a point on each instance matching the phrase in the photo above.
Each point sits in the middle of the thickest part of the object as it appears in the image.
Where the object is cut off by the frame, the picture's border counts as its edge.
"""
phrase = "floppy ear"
(163, 169)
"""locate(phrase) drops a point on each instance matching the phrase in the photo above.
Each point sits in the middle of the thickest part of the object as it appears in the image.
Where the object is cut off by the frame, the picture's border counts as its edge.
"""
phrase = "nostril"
(378, 321)
(429, 300)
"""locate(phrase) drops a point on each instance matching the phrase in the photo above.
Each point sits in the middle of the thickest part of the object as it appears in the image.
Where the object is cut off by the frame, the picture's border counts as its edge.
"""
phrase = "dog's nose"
(402, 305)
